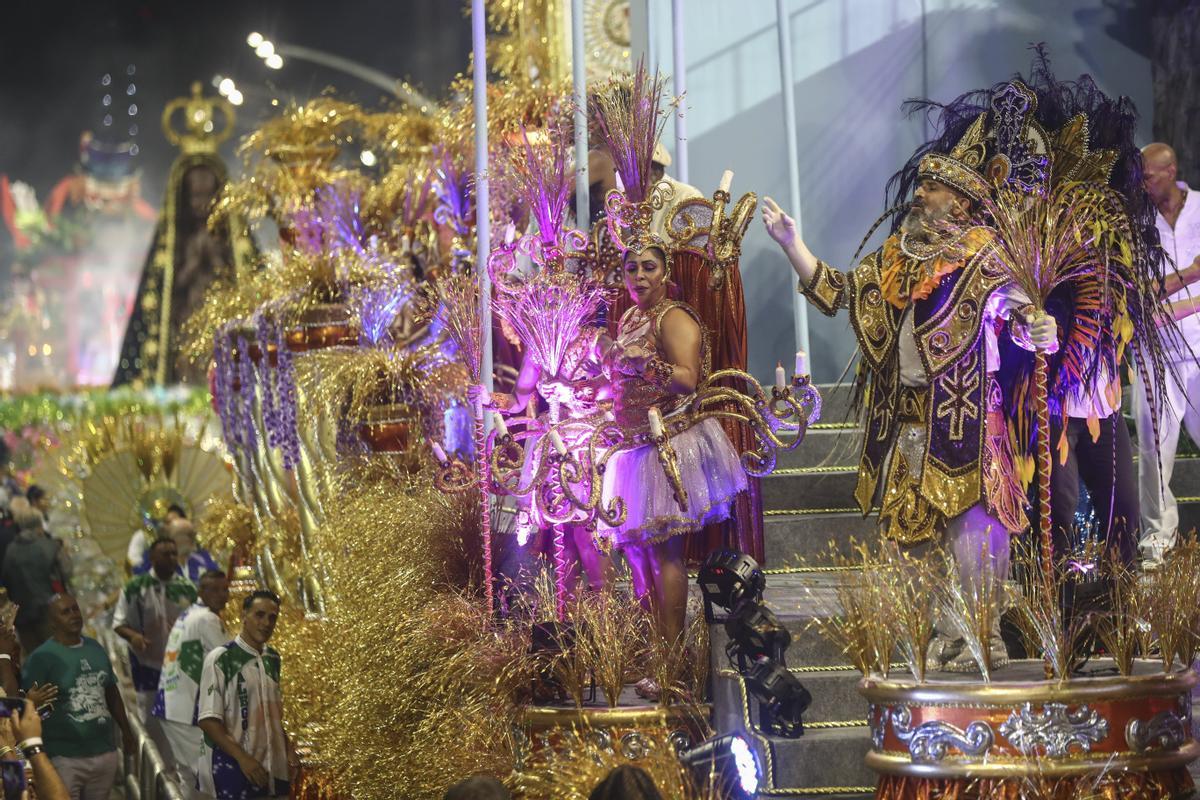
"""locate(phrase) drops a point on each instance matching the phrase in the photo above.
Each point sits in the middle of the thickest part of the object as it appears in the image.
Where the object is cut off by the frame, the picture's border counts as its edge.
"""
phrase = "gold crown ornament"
(200, 132)
(1007, 146)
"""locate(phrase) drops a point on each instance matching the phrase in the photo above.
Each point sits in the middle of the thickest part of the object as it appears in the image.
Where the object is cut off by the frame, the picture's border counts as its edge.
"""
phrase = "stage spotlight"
(265, 49)
(782, 699)
(727, 577)
(254, 39)
(274, 61)
(754, 632)
(236, 98)
(226, 86)
(725, 764)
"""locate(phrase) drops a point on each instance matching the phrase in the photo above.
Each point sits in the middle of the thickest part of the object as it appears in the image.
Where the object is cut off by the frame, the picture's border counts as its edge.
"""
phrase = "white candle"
(656, 422)
(620, 183)
(501, 428)
(439, 453)
(726, 181)
(510, 233)
(780, 377)
(560, 446)
(801, 363)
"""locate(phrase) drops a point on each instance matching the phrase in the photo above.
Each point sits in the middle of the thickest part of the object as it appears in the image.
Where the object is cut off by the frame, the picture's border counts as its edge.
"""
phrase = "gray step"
(825, 447)
(835, 401)
(795, 598)
(792, 539)
(810, 489)
(822, 757)
(832, 487)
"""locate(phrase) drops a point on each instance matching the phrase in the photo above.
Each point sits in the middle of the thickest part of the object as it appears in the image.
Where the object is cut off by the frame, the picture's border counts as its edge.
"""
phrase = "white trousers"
(183, 739)
(1160, 511)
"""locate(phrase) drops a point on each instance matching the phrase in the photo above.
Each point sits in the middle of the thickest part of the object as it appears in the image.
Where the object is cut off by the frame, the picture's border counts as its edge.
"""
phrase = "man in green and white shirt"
(146, 611)
(198, 631)
(245, 752)
(79, 731)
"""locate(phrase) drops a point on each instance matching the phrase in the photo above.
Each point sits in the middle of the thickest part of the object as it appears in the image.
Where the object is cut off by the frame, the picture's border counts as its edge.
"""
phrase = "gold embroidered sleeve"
(827, 291)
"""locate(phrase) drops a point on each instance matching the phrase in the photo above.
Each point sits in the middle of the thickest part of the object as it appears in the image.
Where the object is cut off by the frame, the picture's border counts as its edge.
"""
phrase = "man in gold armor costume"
(926, 309)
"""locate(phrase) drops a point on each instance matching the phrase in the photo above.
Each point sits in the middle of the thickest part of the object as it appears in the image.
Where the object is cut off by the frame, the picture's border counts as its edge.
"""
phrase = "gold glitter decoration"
(226, 527)
(525, 43)
(973, 611)
(1173, 608)
(860, 618)
(911, 583)
(1040, 614)
(680, 667)
(571, 771)
(287, 158)
(404, 682)
(1119, 627)
(612, 628)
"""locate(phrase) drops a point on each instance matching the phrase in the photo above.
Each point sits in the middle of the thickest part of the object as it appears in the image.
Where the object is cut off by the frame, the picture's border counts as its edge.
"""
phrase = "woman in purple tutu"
(659, 357)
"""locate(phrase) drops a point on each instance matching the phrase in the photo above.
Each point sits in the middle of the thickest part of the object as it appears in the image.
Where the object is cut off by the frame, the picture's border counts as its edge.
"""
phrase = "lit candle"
(726, 181)
(620, 183)
(656, 422)
(560, 446)
(780, 376)
(801, 363)
(501, 428)
(439, 453)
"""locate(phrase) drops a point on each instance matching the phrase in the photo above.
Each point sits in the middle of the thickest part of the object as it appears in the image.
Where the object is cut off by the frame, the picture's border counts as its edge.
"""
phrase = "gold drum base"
(631, 731)
(967, 738)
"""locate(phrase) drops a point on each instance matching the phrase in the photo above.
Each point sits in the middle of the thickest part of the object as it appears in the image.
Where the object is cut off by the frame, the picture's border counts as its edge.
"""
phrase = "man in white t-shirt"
(1178, 222)
(245, 753)
(196, 633)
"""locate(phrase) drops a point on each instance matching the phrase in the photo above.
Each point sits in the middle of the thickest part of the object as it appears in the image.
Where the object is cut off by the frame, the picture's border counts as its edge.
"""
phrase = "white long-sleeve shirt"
(1182, 244)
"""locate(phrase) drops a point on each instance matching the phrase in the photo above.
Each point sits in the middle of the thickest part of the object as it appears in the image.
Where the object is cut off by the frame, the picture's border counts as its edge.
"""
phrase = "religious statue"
(187, 253)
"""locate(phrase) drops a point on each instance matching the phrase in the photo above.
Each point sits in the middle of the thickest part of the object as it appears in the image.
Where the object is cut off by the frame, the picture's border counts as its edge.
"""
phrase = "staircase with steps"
(808, 506)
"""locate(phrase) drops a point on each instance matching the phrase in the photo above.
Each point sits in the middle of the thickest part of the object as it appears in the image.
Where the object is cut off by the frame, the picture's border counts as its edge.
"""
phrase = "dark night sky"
(53, 54)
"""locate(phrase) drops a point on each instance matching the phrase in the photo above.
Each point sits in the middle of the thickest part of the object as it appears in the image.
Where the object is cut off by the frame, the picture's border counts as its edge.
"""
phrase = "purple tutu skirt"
(712, 475)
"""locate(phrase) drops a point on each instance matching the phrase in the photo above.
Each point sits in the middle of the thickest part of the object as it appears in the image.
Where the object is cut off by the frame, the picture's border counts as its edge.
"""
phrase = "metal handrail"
(146, 774)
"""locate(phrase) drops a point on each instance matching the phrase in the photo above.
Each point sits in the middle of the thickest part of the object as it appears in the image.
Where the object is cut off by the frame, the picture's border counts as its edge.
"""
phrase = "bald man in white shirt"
(1178, 222)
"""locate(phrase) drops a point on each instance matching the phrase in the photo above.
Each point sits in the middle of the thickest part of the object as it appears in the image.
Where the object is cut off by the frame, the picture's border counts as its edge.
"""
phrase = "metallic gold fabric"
(828, 289)
(905, 515)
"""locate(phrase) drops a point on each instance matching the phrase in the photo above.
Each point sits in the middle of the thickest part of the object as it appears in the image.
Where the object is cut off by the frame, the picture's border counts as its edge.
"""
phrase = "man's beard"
(926, 224)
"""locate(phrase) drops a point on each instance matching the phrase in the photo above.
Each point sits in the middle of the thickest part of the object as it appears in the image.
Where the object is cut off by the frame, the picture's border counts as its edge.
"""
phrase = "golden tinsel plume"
(226, 527)
(418, 690)
(587, 756)
(859, 617)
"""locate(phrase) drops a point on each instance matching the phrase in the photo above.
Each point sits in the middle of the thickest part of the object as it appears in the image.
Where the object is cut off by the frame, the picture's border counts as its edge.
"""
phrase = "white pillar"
(784, 27)
(579, 79)
(482, 222)
(680, 166)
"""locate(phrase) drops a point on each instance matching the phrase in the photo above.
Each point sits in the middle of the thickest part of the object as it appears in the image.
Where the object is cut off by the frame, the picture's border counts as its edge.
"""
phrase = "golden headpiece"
(1007, 146)
(1003, 145)
(200, 133)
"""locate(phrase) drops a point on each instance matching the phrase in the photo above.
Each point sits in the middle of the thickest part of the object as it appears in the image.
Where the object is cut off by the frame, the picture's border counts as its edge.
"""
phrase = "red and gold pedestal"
(629, 730)
(1022, 736)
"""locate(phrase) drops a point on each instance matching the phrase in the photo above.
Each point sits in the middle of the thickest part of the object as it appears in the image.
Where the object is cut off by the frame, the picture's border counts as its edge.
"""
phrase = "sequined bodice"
(633, 395)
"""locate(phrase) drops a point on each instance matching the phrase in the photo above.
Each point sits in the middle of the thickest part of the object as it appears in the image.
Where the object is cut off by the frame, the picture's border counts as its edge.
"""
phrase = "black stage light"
(754, 632)
(726, 764)
(782, 699)
(728, 576)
